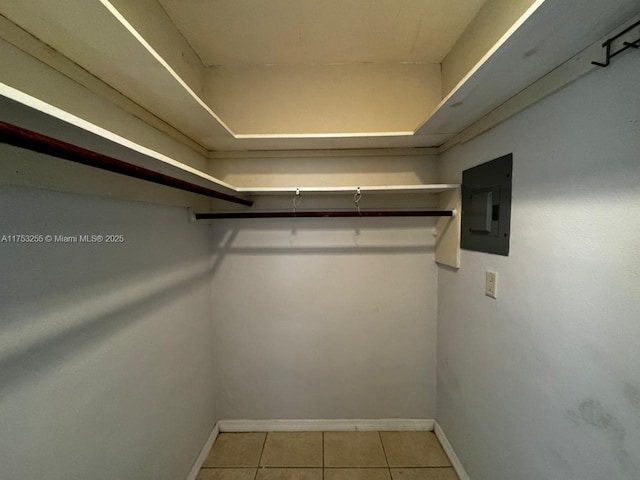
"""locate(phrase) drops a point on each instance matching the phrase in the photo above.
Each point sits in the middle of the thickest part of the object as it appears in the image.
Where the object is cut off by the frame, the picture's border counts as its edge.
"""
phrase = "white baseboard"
(448, 449)
(328, 426)
(203, 453)
(325, 425)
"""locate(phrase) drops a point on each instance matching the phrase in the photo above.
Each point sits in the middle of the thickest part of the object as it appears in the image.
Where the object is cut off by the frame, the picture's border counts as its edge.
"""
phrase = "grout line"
(385, 454)
(322, 455)
(368, 468)
(324, 467)
(261, 454)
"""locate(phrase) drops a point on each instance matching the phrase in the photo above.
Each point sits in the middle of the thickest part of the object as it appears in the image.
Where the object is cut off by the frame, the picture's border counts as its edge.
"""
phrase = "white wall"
(338, 98)
(105, 354)
(327, 171)
(325, 318)
(544, 382)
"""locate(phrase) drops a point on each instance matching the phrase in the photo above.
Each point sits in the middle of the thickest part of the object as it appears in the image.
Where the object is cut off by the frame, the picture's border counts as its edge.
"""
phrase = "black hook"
(607, 44)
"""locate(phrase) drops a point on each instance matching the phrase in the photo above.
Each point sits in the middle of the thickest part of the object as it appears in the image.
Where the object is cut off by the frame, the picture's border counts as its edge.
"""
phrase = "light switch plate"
(491, 285)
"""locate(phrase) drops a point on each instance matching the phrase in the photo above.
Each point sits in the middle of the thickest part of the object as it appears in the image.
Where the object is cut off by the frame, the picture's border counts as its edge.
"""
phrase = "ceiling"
(299, 74)
(241, 32)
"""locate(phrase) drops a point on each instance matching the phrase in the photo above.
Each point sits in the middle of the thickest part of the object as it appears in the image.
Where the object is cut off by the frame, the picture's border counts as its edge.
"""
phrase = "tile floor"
(327, 456)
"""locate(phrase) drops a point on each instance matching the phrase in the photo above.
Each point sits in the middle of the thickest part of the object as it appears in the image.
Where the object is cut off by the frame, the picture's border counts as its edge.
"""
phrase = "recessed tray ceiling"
(240, 32)
(326, 95)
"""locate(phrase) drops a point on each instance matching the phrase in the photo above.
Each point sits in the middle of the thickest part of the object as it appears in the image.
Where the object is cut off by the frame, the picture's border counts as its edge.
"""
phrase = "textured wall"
(321, 171)
(325, 318)
(105, 349)
(319, 99)
(544, 382)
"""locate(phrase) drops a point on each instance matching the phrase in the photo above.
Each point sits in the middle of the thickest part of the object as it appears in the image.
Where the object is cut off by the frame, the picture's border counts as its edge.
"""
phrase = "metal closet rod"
(28, 139)
(328, 214)
(279, 191)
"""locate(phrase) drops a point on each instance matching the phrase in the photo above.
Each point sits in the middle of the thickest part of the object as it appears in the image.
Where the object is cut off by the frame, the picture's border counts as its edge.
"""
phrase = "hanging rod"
(607, 45)
(30, 140)
(328, 214)
(425, 188)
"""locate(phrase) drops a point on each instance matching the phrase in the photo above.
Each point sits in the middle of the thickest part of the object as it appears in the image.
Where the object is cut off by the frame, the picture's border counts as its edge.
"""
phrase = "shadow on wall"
(65, 298)
(46, 340)
(52, 271)
(324, 318)
(326, 237)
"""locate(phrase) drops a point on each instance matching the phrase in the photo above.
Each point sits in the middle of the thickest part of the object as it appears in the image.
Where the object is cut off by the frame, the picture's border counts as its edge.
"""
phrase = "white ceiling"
(133, 46)
(240, 32)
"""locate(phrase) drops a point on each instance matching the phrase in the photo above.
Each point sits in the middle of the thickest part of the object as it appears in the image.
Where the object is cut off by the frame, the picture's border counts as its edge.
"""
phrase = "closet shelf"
(37, 142)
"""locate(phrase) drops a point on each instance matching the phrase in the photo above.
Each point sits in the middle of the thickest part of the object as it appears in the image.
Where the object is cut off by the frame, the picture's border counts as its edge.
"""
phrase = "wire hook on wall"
(610, 53)
(297, 200)
(356, 198)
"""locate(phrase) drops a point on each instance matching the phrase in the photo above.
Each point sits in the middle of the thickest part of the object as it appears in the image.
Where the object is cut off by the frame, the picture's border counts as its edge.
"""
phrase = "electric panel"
(486, 206)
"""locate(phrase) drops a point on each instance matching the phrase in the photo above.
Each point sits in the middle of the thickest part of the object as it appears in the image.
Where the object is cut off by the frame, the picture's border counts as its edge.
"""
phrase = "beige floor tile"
(357, 474)
(293, 449)
(413, 449)
(236, 450)
(227, 474)
(289, 474)
(353, 449)
(423, 474)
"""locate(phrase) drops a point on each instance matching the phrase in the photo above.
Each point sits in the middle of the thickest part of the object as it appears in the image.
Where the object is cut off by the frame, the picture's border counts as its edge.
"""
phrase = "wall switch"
(491, 285)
